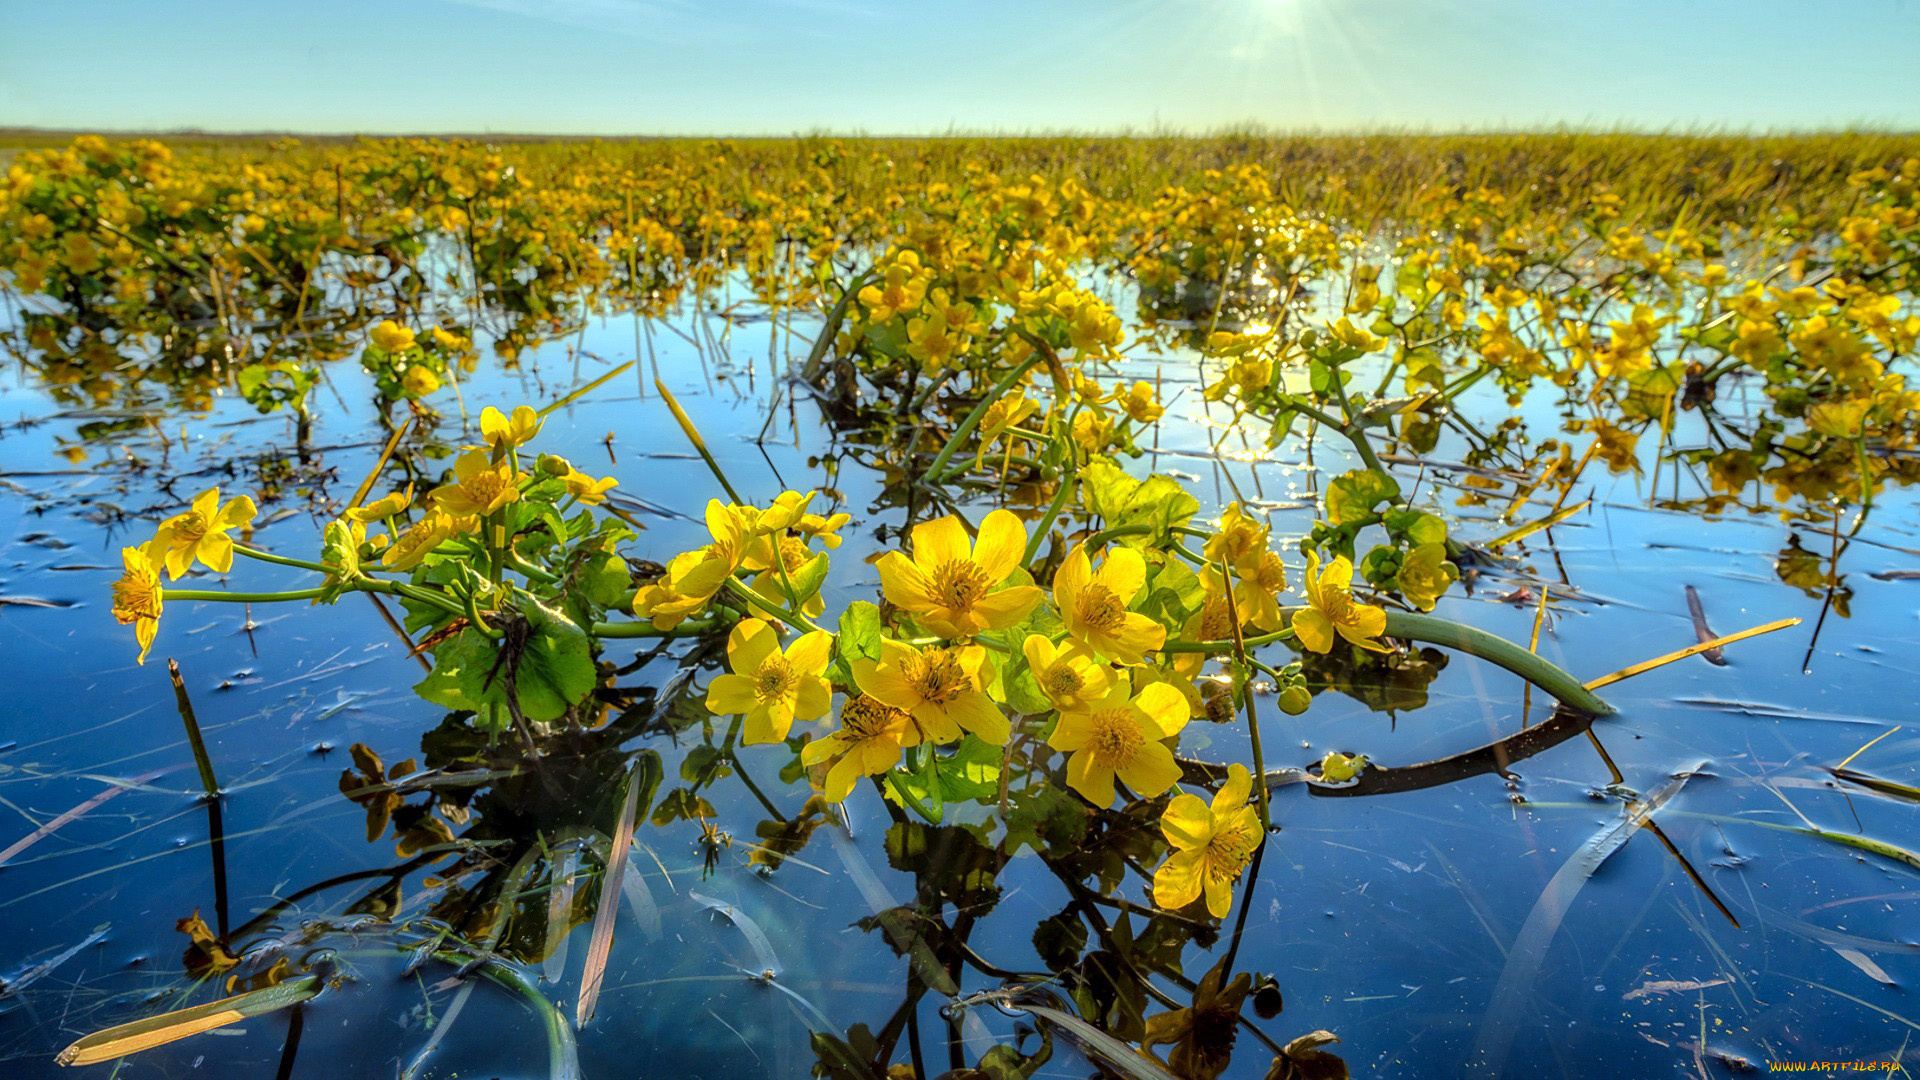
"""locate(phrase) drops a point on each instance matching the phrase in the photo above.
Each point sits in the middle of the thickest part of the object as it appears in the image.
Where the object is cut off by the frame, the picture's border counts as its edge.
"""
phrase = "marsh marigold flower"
(868, 743)
(199, 534)
(137, 597)
(1093, 605)
(1071, 677)
(382, 508)
(1332, 609)
(1122, 736)
(391, 337)
(517, 430)
(772, 688)
(948, 583)
(1211, 846)
(479, 486)
(412, 547)
(943, 690)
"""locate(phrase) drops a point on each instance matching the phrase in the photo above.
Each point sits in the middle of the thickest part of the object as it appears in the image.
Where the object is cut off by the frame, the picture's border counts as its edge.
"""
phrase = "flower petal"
(941, 541)
(808, 655)
(1187, 822)
(1313, 629)
(1068, 581)
(903, 583)
(1002, 544)
(1165, 708)
(1152, 770)
(750, 644)
(1002, 609)
(1178, 881)
(730, 694)
(975, 712)
(1092, 780)
(1124, 572)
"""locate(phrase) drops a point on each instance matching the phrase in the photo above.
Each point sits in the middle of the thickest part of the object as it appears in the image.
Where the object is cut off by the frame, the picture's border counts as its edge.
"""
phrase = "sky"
(732, 67)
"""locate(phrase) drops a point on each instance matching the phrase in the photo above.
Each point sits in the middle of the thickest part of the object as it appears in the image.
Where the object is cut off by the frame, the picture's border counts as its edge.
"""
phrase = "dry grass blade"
(50, 827)
(160, 1030)
(1645, 666)
(611, 879)
(1521, 532)
(366, 486)
(1874, 783)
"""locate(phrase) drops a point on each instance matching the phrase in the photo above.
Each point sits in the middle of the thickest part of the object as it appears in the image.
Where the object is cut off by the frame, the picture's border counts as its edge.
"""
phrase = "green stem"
(939, 467)
(691, 628)
(1352, 434)
(266, 556)
(220, 596)
(1498, 650)
(528, 569)
(755, 600)
(1473, 641)
(1045, 524)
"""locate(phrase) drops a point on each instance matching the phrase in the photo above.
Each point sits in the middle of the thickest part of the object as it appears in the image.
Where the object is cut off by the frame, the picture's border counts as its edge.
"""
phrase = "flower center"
(190, 526)
(773, 679)
(135, 598)
(1216, 624)
(1229, 851)
(865, 718)
(1100, 609)
(959, 583)
(937, 676)
(1116, 738)
(485, 486)
(793, 553)
(1062, 680)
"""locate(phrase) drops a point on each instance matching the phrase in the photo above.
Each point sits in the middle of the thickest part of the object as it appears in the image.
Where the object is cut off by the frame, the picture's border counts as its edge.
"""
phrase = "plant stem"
(939, 467)
(221, 596)
(691, 628)
(267, 556)
(208, 782)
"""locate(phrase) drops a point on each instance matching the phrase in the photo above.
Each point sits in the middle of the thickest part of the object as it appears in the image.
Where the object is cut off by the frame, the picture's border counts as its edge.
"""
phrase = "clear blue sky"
(915, 66)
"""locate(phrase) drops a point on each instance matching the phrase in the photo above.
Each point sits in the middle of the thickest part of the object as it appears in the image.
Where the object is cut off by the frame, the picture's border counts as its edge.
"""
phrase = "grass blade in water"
(1874, 783)
(613, 880)
(77, 812)
(160, 1030)
(1530, 945)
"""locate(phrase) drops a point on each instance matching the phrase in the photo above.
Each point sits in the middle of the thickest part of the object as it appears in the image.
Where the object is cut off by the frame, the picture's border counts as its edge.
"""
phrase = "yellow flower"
(948, 583)
(1094, 605)
(1426, 575)
(1331, 607)
(420, 380)
(391, 337)
(1338, 768)
(1122, 736)
(693, 577)
(868, 743)
(496, 428)
(1092, 430)
(586, 488)
(1139, 402)
(200, 534)
(449, 341)
(414, 545)
(382, 508)
(137, 597)
(824, 528)
(943, 690)
(771, 687)
(479, 486)
(1211, 846)
(1239, 538)
(1071, 677)
(1258, 581)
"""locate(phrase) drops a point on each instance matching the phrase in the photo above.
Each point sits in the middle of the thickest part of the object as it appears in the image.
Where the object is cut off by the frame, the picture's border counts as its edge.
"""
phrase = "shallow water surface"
(1496, 923)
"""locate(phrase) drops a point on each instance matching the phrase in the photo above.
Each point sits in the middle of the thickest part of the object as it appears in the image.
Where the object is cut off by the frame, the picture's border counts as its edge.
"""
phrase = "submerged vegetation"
(1057, 657)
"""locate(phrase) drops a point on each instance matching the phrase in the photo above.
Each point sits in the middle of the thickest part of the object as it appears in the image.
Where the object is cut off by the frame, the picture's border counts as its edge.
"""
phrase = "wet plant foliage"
(893, 700)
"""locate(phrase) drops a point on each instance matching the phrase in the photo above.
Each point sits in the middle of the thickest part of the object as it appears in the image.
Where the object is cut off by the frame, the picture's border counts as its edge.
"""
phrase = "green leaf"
(554, 671)
(1353, 495)
(1416, 526)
